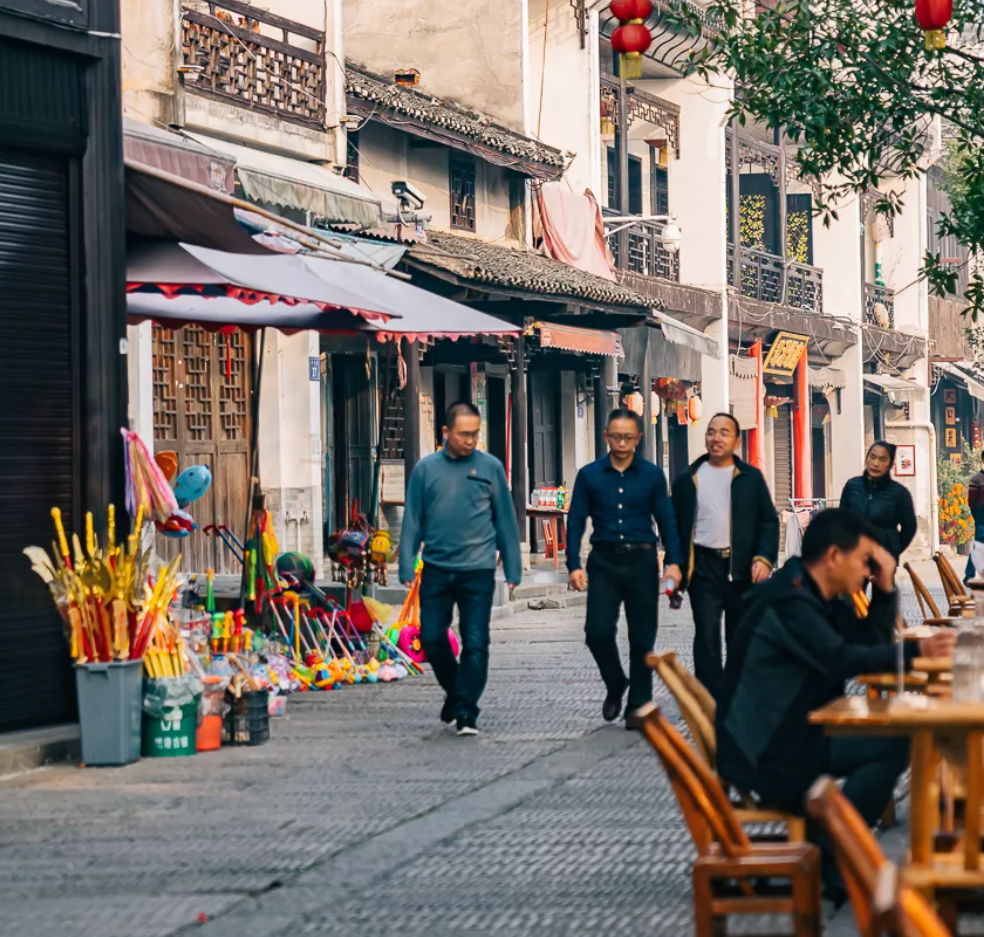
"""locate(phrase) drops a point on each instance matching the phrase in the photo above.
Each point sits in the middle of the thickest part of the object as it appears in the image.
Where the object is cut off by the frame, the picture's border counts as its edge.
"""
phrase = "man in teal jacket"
(460, 508)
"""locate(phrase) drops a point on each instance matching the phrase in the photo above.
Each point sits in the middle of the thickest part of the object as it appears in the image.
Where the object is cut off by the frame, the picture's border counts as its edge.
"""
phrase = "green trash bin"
(173, 734)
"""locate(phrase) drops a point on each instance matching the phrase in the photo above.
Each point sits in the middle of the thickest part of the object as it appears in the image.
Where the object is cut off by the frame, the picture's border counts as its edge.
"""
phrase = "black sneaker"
(467, 727)
(447, 711)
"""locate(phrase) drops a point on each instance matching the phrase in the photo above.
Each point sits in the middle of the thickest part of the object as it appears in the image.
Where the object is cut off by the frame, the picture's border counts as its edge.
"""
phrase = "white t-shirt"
(712, 527)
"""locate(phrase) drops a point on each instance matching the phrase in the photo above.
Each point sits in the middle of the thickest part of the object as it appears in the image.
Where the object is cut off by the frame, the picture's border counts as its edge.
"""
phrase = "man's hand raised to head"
(883, 568)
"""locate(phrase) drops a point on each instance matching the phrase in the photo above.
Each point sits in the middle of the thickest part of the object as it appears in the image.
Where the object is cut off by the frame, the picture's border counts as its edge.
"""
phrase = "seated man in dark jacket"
(798, 643)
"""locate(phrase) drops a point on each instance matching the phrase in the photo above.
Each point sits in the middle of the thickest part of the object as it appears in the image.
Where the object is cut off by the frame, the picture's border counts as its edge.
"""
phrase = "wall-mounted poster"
(949, 395)
(905, 461)
(951, 437)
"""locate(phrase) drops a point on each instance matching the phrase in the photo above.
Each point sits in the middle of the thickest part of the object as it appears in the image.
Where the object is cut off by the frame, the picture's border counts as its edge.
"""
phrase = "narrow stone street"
(364, 815)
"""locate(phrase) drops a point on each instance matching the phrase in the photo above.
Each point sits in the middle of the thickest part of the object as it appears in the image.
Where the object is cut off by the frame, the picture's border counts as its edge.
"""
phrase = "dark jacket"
(975, 498)
(754, 522)
(791, 654)
(887, 506)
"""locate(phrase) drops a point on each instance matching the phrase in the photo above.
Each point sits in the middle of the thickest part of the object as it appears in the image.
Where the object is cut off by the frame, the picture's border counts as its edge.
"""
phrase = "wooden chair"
(732, 875)
(957, 596)
(879, 903)
(927, 605)
(902, 911)
(698, 709)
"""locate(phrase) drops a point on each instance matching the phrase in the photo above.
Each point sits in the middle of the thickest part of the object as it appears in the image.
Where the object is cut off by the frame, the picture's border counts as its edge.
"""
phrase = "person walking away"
(729, 525)
(623, 494)
(882, 501)
(797, 645)
(459, 507)
(975, 501)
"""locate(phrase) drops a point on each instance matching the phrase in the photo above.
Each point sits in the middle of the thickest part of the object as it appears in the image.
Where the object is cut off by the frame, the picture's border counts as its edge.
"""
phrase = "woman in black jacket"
(879, 498)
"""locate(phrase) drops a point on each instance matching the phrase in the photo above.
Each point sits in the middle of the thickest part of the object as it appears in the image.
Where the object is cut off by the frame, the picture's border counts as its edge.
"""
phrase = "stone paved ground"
(364, 816)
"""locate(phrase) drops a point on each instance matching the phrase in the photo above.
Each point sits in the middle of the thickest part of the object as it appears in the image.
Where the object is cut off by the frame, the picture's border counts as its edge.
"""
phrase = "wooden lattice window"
(462, 187)
(352, 156)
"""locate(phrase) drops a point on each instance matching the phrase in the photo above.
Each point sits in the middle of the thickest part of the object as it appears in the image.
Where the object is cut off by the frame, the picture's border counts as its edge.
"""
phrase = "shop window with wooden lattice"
(462, 188)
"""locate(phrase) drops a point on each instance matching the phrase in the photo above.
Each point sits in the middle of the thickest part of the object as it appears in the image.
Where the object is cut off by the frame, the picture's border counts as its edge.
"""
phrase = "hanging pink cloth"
(573, 229)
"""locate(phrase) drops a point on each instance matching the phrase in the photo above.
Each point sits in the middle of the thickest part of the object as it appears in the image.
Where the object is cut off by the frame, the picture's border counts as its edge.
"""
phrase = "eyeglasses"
(619, 438)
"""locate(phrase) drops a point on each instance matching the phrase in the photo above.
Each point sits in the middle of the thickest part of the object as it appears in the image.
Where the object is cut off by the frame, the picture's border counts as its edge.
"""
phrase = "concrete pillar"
(140, 381)
(290, 442)
(847, 421)
(714, 383)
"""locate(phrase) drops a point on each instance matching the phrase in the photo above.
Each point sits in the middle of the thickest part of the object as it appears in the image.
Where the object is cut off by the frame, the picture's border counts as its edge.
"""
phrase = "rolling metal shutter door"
(782, 441)
(39, 459)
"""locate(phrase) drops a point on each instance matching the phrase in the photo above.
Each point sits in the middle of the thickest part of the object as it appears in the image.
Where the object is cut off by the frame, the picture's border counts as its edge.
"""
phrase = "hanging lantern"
(635, 403)
(681, 411)
(694, 409)
(654, 406)
(632, 37)
(932, 17)
(607, 119)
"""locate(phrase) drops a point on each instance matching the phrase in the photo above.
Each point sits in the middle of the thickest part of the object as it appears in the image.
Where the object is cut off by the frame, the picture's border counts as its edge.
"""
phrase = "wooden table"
(922, 718)
(553, 520)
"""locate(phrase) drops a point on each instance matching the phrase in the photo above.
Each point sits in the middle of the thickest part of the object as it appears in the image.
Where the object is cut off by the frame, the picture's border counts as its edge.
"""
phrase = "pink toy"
(409, 643)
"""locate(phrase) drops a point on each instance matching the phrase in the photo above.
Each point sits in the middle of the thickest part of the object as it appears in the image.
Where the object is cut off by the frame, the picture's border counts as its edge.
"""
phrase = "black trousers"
(713, 596)
(871, 768)
(631, 579)
(473, 592)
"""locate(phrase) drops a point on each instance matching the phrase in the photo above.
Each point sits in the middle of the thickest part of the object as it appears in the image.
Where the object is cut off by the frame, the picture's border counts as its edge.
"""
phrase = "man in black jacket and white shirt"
(730, 532)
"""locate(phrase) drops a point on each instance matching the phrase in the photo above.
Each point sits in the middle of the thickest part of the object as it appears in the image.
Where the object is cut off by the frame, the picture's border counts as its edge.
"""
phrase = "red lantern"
(632, 37)
(625, 10)
(932, 17)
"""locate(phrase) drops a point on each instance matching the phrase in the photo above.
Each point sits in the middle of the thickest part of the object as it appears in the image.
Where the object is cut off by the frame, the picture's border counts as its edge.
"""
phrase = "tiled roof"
(434, 112)
(523, 270)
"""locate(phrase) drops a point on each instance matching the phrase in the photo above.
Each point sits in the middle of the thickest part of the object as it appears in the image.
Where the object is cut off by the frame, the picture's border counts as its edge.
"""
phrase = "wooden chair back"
(706, 809)
(954, 589)
(902, 911)
(923, 595)
(695, 703)
(859, 857)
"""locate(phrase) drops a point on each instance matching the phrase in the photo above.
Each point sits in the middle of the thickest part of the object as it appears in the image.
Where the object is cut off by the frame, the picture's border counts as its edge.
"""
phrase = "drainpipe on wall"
(934, 505)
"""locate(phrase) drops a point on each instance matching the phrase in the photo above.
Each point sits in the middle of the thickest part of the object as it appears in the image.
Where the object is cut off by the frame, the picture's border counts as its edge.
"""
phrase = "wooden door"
(545, 422)
(201, 411)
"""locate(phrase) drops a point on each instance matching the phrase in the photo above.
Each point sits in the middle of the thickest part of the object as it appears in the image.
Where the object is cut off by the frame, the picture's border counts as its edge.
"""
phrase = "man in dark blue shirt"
(623, 494)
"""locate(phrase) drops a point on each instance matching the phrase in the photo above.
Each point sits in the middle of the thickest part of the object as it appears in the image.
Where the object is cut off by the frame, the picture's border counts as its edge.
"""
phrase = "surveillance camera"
(408, 196)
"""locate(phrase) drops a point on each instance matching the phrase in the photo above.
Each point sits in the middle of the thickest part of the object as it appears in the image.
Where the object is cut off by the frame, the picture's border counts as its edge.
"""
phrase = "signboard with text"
(785, 354)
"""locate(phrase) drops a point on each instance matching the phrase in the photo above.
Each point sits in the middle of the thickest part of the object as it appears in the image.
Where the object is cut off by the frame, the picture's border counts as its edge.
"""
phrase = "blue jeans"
(473, 592)
(979, 537)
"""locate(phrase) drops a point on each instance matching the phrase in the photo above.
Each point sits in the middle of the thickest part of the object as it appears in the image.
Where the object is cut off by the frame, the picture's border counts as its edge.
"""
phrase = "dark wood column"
(517, 445)
(411, 410)
(646, 380)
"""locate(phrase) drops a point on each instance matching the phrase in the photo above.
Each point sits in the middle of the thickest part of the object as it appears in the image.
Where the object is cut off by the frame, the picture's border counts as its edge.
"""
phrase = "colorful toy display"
(359, 554)
(113, 606)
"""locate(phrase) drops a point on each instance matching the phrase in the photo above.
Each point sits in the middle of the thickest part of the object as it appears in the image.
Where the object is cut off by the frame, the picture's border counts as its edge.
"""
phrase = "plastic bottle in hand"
(673, 593)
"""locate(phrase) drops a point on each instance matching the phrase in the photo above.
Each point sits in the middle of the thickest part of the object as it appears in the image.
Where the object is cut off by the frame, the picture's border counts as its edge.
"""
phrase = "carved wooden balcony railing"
(646, 253)
(762, 279)
(237, 63)
(875, 296)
